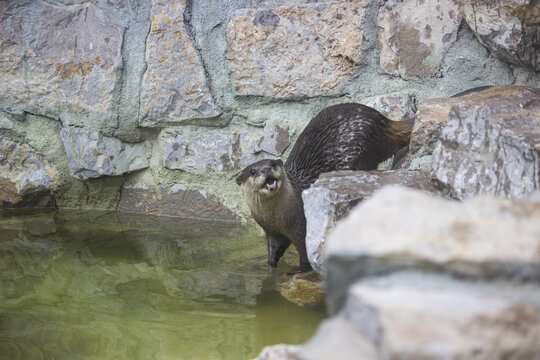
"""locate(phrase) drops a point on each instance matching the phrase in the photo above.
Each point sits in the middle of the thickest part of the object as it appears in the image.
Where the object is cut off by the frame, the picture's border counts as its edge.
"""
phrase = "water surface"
(90, 285)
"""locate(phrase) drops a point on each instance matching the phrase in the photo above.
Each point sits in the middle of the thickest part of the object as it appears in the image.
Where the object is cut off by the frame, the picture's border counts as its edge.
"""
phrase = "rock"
(510, 29)
(338, 339)
(334, 194)
(174, 86)
(414, 36)
(395, 106)
(490, 143)
(177, 202)
(27, 179)
(279, 352)
(9, 121)
(419, 316)
(302, 289)
(296, 51)
(399, 228)
(56, 58)
(430, 119)
(223, 151)
(92, 155)
(433, 114)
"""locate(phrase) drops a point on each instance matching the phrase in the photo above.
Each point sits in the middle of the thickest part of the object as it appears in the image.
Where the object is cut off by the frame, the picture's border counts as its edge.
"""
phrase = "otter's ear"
(277, 162)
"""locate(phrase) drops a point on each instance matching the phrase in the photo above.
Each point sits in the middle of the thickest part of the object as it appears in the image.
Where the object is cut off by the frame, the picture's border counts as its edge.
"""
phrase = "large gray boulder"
(415, 315)
(333, 196)
(419, 316)
(490, 143)
(399, 228)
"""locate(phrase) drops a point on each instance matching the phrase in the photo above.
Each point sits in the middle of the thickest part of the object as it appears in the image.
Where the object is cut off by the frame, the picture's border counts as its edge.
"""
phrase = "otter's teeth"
(271, 184)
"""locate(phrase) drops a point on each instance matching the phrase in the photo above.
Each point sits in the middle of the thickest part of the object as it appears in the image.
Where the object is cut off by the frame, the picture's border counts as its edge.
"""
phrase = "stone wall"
(140, 104)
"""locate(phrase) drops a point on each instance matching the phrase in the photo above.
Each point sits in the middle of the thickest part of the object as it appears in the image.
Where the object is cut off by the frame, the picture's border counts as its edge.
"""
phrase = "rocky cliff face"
(173, 98)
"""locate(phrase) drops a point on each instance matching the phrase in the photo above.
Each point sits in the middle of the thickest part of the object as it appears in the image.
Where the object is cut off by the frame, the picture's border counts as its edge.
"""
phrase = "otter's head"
(264, 177)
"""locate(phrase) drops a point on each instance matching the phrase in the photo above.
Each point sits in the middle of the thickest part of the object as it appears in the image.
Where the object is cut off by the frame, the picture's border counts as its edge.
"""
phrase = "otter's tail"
(399, 135)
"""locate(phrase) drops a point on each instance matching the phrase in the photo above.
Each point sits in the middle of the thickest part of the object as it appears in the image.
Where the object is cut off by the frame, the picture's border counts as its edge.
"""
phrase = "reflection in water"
(104, 286)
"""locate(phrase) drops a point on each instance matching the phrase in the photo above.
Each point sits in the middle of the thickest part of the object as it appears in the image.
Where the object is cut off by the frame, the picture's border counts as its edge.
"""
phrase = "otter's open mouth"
(270, 184)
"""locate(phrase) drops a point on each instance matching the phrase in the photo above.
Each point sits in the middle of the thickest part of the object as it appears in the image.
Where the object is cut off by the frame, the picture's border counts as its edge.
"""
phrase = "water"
(89, 285)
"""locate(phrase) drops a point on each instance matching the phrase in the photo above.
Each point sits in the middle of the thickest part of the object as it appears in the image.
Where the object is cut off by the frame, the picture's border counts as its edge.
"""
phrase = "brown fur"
(345, 136)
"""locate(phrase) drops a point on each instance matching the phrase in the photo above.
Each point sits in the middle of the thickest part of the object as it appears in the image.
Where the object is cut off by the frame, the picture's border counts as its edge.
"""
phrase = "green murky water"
(103, 286)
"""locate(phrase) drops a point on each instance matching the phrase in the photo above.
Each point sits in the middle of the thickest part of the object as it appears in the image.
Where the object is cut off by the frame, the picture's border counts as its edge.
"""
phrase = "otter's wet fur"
(341, 137)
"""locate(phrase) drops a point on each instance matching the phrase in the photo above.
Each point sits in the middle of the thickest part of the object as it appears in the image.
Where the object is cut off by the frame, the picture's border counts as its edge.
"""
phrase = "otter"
(341, 137)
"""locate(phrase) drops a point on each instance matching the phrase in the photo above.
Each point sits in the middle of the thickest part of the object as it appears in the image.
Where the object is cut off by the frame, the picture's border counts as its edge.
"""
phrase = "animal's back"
(342, 137)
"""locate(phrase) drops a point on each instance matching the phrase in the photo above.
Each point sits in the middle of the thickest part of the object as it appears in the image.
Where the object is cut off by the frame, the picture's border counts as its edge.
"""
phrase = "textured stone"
(56, 60)
(93, 155)
(334, 194)
(430, 119)
(221, 151)
(433, 114)
(174, 85)
(176, 202)
(296, 51)
(414, 36)
(418, 316)
(510, 29)
(26, 178)
(302, 289)
(401, 228)
(338, 339)
(395, 106)
(490, 143)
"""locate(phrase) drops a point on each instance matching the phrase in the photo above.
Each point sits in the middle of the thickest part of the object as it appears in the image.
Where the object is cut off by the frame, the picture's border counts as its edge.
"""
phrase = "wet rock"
(334, 194)
(296, 51)
(510, 29)
(27, 179)
(419, 316)
(414, 36)
(174, 86)
(222, 151)
(55, 58)
(490, 143)
(92, 155)
(177, 202)
(399, 228)
(395, 106)
(303, 289)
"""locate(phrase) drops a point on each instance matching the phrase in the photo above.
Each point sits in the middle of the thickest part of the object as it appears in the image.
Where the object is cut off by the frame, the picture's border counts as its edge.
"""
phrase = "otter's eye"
(253, 171)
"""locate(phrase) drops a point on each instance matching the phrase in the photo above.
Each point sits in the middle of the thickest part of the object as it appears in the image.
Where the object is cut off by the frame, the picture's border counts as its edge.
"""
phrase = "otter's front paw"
(272, 263)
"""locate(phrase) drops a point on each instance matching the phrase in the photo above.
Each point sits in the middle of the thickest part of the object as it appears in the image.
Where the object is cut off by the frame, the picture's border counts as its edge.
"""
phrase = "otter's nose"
(266, 170)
